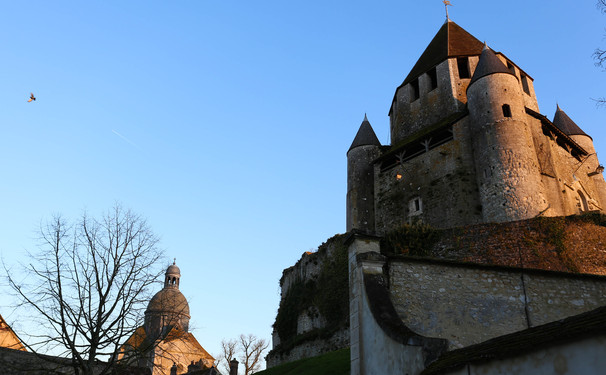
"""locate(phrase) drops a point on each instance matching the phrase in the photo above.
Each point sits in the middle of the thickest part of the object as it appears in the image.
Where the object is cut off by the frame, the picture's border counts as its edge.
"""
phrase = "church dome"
(168, 307)
(168, 300)
(173, 269)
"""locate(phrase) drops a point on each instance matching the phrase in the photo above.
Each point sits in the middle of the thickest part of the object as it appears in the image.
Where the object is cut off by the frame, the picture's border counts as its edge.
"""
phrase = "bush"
(411, 239)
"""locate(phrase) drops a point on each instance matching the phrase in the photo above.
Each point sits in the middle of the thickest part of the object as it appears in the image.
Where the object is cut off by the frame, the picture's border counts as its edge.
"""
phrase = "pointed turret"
(509, 182)
(565, 123)
(365, 136)
(488, 64)
(360, 179)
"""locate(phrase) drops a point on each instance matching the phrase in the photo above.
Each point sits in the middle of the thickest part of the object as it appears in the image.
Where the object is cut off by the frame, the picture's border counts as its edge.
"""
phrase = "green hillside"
(333, 363)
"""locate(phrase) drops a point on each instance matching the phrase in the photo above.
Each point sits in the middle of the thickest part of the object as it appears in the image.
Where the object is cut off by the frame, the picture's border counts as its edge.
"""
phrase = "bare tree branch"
(252, 349)
(228, 352)
(88, 286)
(599, 55)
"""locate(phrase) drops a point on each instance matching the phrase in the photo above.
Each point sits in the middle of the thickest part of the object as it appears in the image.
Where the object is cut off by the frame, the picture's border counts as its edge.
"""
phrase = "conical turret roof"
(365, 136)
(565, 123)
(488, 64)
(450, 41)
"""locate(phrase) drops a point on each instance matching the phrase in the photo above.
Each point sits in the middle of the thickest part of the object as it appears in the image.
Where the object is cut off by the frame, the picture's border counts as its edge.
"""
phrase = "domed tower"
(507, 167)
(168, 307)
(360, 179)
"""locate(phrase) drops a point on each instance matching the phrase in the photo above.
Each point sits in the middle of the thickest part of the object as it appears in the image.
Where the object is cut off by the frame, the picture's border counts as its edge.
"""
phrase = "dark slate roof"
(488, 64)
(588, 324)
(565, 124)
(450, 41)
(366, 136)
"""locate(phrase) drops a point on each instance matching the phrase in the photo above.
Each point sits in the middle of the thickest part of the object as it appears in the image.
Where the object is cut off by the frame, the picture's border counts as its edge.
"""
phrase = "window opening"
(511, 67)
(506, 110)
(415, 206)
(525, 83)
(433, 78)
(463, 65)
(415, 89)
(584, 206)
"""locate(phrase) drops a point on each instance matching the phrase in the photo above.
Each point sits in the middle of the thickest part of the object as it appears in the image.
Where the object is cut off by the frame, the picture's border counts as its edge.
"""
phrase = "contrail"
(126, 139)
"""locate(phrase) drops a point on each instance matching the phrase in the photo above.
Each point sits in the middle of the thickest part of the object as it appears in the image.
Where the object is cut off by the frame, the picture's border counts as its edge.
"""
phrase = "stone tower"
(507, 168)
(360, 179)
(469, 146)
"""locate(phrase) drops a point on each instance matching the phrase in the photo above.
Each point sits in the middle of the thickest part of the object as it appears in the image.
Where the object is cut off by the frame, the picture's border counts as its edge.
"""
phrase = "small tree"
(87, 286)
(252, 349)
(229, 349)
(249, 348)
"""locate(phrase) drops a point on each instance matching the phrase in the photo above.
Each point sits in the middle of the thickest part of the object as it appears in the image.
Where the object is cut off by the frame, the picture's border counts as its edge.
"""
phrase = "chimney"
(233, 367)
(173, 370)
(193, 367)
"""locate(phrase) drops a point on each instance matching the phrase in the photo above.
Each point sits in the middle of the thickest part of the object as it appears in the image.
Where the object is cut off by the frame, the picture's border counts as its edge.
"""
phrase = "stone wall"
(17, 362)
(580, 357)
(314, 333)
(467, 304)
(443, 179)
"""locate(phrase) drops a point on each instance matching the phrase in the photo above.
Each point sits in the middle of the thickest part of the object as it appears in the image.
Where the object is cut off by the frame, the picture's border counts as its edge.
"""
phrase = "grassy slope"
(333, 363)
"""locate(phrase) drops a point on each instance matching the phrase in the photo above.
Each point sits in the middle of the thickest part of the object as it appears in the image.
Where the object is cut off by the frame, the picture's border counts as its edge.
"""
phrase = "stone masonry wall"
(314, 334)
(442, 178)
(467, 304)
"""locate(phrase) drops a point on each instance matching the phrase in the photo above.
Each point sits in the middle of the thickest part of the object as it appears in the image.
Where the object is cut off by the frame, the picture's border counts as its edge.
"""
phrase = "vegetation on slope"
(328, 292)
(333, 363)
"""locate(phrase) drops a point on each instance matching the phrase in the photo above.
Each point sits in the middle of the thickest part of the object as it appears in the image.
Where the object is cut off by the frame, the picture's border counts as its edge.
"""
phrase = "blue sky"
(226, 123)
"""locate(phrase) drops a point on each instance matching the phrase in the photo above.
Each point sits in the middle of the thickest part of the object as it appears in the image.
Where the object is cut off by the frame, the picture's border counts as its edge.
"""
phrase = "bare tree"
(229, 349)
(252, 349)
(87, 287)
(599, 55)
(249, 350)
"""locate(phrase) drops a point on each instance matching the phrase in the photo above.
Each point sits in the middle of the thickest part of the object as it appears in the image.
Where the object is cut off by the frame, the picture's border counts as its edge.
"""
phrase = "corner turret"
(590, 165)
(507, 169)
(360, 179)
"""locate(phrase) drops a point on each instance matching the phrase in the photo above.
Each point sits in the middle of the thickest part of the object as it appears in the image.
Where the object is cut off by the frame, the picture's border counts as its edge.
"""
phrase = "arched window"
(584, 206)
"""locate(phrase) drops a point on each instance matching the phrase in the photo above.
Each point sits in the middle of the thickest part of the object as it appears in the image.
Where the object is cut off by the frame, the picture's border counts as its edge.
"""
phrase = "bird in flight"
(31, 97)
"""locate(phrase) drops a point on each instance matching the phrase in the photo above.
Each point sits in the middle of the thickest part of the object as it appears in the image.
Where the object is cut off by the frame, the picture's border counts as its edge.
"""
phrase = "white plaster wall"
(586, 357)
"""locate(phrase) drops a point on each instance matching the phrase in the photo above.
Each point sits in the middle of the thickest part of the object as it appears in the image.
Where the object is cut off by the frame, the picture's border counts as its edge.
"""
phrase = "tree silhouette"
(87, 287)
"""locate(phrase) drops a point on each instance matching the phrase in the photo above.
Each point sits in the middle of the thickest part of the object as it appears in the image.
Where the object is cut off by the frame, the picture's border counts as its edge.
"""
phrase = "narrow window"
(525, 83)
(583, 202)
(506, 110)
(415, 206)
(511, 67)
(463, 65)
(433, 78)
(415, 89)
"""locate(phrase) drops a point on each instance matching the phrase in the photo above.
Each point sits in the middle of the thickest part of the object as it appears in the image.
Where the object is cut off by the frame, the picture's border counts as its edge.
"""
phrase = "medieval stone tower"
(469, 146)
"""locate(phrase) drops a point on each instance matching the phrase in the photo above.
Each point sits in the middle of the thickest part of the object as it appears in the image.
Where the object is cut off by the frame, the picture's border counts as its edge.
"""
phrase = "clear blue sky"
(226, 123)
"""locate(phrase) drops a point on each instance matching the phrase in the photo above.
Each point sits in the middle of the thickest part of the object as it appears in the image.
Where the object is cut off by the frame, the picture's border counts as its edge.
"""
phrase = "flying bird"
(31, 97)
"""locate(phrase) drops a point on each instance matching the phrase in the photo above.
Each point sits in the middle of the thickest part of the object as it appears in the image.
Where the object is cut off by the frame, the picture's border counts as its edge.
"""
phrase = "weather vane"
(446, 4)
